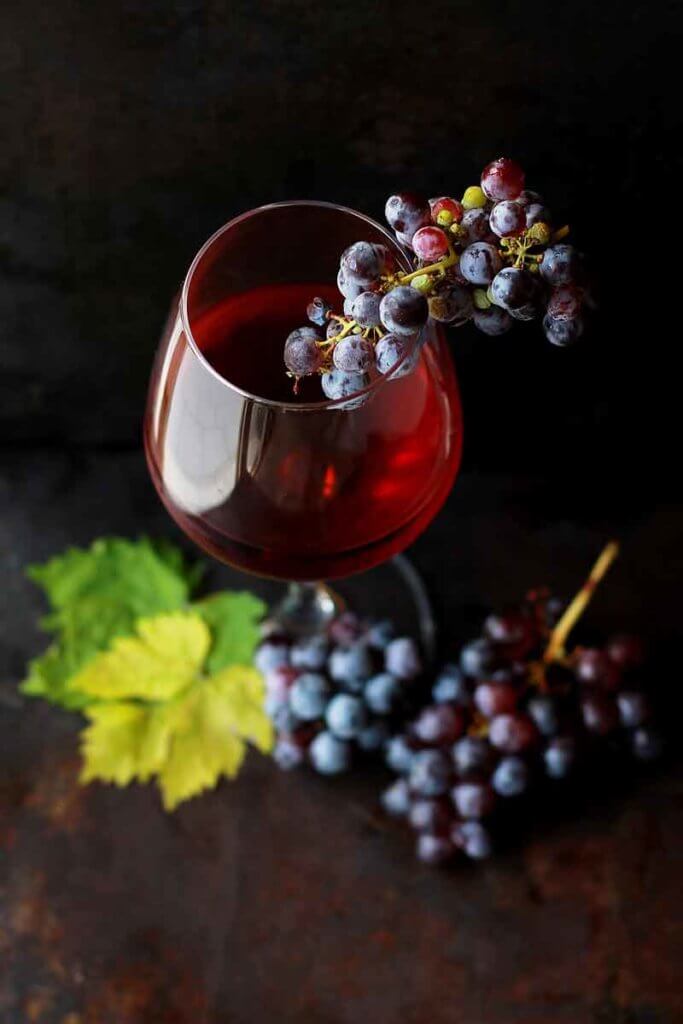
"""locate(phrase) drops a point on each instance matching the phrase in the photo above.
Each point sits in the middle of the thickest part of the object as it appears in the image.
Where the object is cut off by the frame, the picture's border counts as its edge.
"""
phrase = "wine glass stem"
(308, 608)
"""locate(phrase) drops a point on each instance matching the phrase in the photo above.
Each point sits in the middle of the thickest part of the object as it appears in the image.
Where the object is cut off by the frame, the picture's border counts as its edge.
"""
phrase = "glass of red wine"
(282, 484)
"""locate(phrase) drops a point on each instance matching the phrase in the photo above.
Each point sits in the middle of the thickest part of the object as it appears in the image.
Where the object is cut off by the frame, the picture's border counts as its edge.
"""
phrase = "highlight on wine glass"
(331, 460)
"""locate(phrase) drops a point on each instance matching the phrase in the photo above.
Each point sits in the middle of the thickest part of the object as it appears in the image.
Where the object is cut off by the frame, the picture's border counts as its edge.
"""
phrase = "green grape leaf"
(233, 619)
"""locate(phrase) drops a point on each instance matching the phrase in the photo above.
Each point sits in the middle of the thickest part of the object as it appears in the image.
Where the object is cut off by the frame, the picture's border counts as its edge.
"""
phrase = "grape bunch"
(338, 694)
(492, 257)
(514, 712)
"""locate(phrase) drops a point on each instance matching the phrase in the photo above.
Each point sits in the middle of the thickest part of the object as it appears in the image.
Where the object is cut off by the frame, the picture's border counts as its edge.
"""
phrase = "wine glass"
(284, 485)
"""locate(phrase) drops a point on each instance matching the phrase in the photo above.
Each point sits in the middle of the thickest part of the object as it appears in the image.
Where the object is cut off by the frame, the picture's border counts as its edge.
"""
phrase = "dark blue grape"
(382, 693)
(647, 744)
(329, 755)
(430, 773)
(472, 800)
(472, 756)
(451, 686)
(345, 716)
(438, 724)
(309, 653)
(560, 757)
(452, 304)
(407, 212)
(373, 736)
(396, 799)
(634, 708)
(318, 311)
(511, 776)
(433, 850)
(476, 224)
(380, 634)
(353, 354)
(562, 332)
(404, 311)
(349, 288)
(492, 321)
(402, 659)
(560, 265)
(336, 384)
(543, 711)
(365, 309)
(430, 815)
(507, 219)
(361, 264)
(351, 666)
(399, 754)
(478, 658)
(390, 350)
(270, 656)
(308, 696)
(512, 288)
(479, 263)
(473, 839)
(302, 354)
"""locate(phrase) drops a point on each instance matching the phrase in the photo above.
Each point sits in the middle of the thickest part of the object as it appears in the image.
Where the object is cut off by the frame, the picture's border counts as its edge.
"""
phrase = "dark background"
(129, 132)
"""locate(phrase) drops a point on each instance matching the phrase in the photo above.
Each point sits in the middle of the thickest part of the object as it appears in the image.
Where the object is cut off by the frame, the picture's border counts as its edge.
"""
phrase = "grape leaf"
(98, 594)
(232, 617)
(158, 663)
(175, 723)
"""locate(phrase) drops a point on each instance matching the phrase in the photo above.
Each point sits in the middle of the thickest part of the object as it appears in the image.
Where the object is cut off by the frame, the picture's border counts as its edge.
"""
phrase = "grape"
(399, 755)
(337, 384)
(543, 711)
(479, 263)
(594, 668)
(351, 666)
(309, 695)
(599, 713)
(310, 653)
(512, 631)
(287, 754)
(405, 240)
(527, 312)
(625, 651)
(273, 704)
(335, 327)
(476, 224)
(402, 659)
(406, 212)
(560, 756)
(284, 720)
(495, 698)
(361, 263)
(345, 716)
(430, 773)
(451, 304)
(511, 776)
(502, 179)
(512, 733)
(270, 656)
(474, 198)
(353, 354)
(438, 724)
(403, 310)
(373, 736)
(386, 258)
(278, 681)
(396, 799)
(536, 213)
(302, 355)
(492, 321)
(329, 755)
(382, 693)
(350, 289)
(564, 303)
(512, 288)
(472, 838)
(365, 309)
(430, 815)
(633, 707)
(451, 686)
(507, 219)
(647, 744)
(560, 264)
(433, 850)
(318, 311)
(430, 244)
(562, 332)
(380, 634)
(446, 211)
(472, 799)
(527, 197)
(345, 629)
(472, 756)
(390, 350)
(478, 658)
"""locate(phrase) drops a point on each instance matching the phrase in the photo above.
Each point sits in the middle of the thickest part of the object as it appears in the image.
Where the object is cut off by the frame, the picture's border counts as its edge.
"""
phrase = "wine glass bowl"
(282, 485)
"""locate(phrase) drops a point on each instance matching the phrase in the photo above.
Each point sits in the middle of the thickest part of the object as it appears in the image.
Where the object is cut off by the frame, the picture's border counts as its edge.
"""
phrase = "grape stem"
(558, 638)
(433, 268)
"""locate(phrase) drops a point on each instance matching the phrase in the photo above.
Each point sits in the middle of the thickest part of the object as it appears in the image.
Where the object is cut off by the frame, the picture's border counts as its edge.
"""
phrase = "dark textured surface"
(130, 131)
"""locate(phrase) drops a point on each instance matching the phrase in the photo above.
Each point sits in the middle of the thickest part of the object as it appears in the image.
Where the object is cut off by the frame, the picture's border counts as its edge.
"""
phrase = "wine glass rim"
(285, 406)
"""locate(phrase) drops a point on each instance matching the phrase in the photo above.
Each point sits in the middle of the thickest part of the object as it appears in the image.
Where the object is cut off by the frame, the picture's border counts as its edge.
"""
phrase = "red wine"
(299, 493)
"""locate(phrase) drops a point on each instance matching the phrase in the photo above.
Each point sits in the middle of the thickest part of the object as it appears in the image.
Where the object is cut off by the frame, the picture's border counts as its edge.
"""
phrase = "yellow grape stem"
(433, 268)
(558, 637)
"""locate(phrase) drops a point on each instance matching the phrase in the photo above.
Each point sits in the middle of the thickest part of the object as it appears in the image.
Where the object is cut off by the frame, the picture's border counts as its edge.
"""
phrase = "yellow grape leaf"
(188, 741)
(163, 659)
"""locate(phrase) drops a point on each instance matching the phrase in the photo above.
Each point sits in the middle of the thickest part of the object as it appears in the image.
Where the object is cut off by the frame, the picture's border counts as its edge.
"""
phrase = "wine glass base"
(393, 590)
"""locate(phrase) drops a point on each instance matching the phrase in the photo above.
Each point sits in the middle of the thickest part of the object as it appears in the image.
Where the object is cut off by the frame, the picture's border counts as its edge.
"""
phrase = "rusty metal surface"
(285, 897)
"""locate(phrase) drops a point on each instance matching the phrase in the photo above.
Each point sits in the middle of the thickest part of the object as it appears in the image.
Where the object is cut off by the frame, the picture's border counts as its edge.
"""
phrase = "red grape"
(430, 815)
(446, 205)
(502, 179)
(594, 668)
(600, 714)
(430, 244)
(494, 698)
(512, 733)
(628, 652)
(438, 724)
